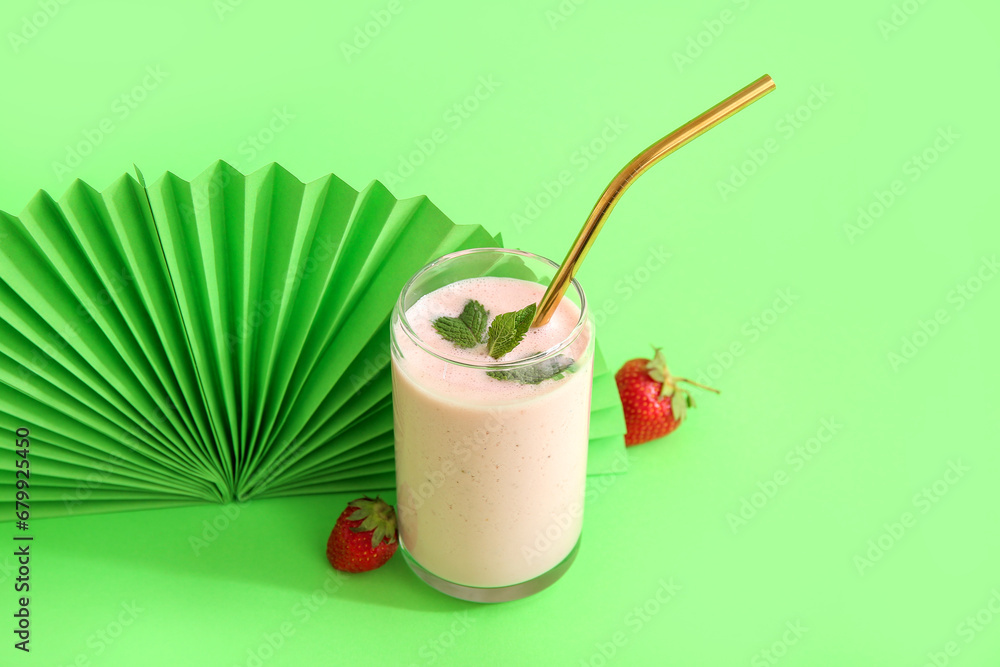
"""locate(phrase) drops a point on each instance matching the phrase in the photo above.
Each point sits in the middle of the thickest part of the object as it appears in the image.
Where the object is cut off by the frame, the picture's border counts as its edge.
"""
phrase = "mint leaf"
(508, 330)
(500, 337)
(467, 329)
(454, 330)
(475, 316)
(550, 369)
(524, 317)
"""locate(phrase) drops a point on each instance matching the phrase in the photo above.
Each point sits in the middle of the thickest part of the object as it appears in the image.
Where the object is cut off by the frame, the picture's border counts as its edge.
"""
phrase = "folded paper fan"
(214, 340)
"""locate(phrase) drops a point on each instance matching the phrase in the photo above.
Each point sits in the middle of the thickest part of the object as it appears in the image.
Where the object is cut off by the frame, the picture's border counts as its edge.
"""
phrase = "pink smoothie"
(490, 473)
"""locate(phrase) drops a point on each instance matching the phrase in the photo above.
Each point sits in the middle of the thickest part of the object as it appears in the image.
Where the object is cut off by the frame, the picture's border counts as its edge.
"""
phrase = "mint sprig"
(467, 329)
(508, 330)
(550, 369)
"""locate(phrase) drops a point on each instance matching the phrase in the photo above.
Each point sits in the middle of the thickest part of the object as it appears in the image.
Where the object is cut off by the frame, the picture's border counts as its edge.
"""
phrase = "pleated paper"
(215, 340)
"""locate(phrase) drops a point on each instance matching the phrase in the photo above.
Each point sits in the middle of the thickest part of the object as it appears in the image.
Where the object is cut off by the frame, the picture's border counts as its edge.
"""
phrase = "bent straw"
(633, 170)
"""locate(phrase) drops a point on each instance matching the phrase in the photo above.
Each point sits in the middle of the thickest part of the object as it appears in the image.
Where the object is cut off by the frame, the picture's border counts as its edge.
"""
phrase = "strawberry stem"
(697, 384)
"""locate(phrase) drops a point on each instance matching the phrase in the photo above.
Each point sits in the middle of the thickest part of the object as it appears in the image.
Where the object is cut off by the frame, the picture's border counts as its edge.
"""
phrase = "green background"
(856, 529)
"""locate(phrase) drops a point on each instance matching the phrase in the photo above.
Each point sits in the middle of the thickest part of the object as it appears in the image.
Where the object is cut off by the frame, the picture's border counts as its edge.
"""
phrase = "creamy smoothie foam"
(490, 473)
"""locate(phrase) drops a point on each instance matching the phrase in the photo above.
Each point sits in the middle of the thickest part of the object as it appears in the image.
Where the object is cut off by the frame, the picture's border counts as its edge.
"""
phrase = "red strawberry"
(364, 536)
(654, 404)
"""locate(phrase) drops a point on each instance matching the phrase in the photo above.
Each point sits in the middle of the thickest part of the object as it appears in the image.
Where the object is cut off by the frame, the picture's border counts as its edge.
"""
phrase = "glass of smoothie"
(491, 453)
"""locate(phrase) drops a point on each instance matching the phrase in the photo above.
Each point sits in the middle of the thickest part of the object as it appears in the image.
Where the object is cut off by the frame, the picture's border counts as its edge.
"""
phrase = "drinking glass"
(490, 473)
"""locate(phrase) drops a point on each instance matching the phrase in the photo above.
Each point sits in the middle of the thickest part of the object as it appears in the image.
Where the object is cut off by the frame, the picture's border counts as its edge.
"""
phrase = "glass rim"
(399, 311)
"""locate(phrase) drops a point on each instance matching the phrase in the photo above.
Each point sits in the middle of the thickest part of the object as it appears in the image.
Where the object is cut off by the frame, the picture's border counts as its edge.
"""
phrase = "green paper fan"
(212, 340)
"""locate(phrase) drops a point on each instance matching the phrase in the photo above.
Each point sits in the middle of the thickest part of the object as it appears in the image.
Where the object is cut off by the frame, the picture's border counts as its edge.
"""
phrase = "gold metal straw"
(633, 170)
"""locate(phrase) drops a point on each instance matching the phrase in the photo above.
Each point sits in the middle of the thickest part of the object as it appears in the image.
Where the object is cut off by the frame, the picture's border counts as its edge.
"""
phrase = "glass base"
(496, 594)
